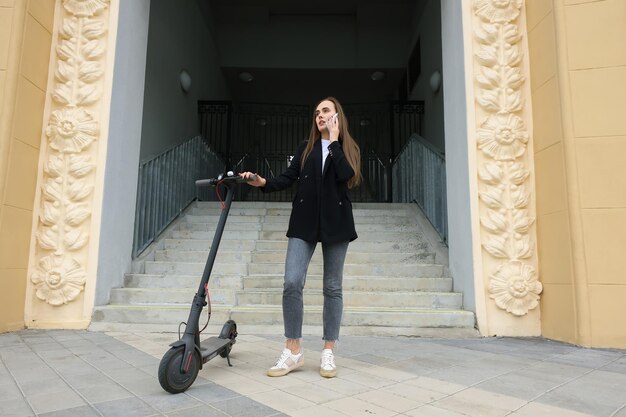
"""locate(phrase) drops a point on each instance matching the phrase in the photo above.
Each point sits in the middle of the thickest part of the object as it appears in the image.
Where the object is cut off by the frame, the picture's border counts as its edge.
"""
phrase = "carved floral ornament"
(68, 183)
(504, 174)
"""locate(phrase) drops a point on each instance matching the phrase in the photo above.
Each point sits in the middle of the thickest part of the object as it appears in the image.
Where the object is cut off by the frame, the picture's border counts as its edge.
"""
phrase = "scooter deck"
(212, 346)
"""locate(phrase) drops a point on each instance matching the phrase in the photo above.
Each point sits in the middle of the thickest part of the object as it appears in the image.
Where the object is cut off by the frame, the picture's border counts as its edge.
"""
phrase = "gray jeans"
(299, 253)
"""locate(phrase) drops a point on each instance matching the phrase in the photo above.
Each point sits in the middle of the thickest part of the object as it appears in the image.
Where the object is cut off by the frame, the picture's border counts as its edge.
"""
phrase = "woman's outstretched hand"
(258, 182)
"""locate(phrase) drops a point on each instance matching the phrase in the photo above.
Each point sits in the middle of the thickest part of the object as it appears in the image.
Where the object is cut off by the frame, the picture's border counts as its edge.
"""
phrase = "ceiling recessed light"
(246, 77)
(377, 75)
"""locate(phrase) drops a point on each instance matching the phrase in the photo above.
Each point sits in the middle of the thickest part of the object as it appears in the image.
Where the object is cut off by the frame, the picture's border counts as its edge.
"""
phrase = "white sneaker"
(286, 363)
(328, 369)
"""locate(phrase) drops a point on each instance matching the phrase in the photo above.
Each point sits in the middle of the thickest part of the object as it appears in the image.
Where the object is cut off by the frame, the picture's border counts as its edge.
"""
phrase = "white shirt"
(325, 143)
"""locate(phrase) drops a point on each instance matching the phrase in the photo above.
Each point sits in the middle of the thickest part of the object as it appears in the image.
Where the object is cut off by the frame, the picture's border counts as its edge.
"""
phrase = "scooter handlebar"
(228, 177)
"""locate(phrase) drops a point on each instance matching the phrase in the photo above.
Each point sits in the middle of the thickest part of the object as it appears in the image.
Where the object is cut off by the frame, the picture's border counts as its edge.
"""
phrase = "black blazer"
(321, 210)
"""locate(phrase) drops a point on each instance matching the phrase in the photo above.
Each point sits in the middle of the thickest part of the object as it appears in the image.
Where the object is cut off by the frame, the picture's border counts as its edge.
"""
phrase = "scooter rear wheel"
(229, 331)
(170, 376)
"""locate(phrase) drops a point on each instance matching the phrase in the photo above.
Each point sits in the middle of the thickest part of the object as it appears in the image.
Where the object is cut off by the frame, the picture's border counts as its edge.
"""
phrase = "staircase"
(395, 280)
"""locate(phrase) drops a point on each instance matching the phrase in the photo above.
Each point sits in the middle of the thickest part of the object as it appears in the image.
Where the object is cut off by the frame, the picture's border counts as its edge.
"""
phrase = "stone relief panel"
(62, 231)
(509, 251)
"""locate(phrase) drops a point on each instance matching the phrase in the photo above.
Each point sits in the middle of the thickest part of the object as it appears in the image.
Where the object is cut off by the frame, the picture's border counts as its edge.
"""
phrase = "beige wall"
(578, 79)
(25, 39)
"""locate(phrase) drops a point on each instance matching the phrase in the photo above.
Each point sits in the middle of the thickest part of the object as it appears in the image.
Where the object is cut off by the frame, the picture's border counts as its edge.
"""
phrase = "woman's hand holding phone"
(332, 124)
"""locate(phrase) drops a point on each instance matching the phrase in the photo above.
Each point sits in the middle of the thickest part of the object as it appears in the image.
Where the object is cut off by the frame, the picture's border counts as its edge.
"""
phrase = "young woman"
(325, 166)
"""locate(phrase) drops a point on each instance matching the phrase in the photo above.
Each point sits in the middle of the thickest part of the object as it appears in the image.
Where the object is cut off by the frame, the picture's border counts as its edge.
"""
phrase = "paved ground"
(80, 373)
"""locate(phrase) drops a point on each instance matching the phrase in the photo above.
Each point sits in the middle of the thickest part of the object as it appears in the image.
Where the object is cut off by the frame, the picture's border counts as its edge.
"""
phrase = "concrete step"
(227, 235)
(278, 256)
(412, 299)
(352, 257)
(359, 245)
(401, 320)
(213, 219)
(217, 281)
(283, 226)
(224, 256)
(230, 226)
(363, 283)
(392, 285)
(286, 212)
(198, 244)
(393, 270)
(188, 268)
(380, 236)
(157, 296)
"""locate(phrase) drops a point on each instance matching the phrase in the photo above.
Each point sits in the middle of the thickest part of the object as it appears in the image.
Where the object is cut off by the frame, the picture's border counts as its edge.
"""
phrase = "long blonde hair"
(349, 145)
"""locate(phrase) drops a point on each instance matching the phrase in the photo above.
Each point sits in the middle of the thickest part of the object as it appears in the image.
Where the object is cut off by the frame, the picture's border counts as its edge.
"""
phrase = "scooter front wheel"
(170, 376)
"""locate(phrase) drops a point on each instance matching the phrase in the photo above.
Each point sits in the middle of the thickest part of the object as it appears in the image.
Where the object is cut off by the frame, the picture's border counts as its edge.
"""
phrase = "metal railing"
(166, 186)
(374, 177)
(419, 175)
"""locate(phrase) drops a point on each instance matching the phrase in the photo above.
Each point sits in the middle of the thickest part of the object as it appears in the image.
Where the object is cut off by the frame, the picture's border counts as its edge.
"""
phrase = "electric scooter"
(180, 365)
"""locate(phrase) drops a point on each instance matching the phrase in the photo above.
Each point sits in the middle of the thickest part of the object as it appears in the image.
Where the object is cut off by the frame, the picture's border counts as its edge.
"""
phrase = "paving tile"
(83, 411)
(142, 385)
(17, 407)
(86, 378)
(420, 366)
(232, 380)
(432, 411)
(125, 407)
(36, 372)
(316, 411)
(166, 402)
(618, 366)
(415, 393)
(621, 412)
(37, 339)
(587, 358)
(525, 384)
(110, 364)
(281, 401)
(9, 391)
(201, 411)
(44, 386)
(318, 395)
(10, 339)
(598, 393)
(435, 385)
(389, 400)
(244, 407)
(106, 391)
(369, 380)
(211, 393)
(535, 409)
(479, 403)
(45, 403)
(388, 373)
(340, 385)
(355, 407)
(373, 359)
(46, 347)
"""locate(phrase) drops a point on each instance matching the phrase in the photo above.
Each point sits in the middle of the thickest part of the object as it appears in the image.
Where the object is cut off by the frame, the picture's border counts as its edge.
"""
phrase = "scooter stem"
(191, 337)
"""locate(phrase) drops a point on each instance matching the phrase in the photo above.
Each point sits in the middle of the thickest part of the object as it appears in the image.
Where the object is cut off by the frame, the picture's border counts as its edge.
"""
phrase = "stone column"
(67, 209)
(501, 168)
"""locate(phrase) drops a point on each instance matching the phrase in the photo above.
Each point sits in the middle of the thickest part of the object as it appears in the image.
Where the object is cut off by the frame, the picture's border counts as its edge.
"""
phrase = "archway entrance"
(202, 44)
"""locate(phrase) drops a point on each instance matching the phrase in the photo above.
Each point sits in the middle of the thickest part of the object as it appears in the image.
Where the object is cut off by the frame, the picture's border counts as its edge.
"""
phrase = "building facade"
(533, 98)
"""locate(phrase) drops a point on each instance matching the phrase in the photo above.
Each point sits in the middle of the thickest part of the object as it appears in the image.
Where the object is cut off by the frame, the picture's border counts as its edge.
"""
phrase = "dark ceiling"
(307, 85)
